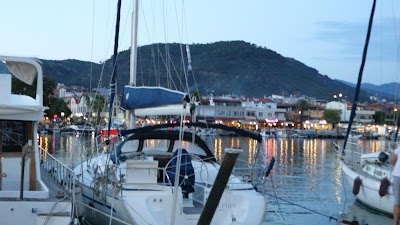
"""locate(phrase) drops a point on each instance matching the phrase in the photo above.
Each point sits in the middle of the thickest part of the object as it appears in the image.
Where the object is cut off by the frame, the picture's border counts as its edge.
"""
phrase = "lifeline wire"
(279, 207)
(311, 210)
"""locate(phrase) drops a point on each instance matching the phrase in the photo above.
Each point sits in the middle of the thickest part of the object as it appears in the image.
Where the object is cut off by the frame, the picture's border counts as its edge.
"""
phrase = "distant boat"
(206, 132)
(113, 132)
(283, 133)
(354, 134)
(311, 133)
(83, 129)
(266, 133)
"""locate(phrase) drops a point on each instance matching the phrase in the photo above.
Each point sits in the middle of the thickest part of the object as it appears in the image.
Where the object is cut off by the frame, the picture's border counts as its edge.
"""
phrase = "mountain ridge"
(388, 90)
(225, 67)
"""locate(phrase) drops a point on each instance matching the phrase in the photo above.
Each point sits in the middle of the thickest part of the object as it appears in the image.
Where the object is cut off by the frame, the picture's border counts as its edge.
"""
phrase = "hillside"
(233, 67)
(389, 90)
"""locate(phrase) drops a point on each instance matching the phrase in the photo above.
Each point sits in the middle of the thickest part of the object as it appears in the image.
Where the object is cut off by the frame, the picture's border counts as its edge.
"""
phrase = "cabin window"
(130, 146)
(190, 147)
(13, 135)
(158, 145)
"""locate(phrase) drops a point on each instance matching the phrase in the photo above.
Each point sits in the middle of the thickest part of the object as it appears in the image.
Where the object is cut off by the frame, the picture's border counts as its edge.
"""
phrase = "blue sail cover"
(145, 97)
(186, 171)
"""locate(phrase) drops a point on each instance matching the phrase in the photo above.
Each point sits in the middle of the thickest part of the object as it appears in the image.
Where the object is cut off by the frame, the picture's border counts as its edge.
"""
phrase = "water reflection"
(219, 145)
(305, 187)
(69, 149)
(364, 215)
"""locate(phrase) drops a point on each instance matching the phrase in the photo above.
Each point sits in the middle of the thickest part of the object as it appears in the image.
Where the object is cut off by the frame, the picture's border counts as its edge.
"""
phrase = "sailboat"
(159, 175)
(370, 174)
(30, 192)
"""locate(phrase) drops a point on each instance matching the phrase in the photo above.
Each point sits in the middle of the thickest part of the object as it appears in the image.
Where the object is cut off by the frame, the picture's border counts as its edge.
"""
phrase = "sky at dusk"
(326, 35)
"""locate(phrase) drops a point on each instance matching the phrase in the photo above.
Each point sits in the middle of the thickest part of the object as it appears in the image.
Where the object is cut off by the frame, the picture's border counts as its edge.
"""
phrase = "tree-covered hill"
(227, 67)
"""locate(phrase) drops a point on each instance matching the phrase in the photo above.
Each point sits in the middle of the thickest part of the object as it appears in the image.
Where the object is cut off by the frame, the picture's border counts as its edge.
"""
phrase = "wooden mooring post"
(231, 155)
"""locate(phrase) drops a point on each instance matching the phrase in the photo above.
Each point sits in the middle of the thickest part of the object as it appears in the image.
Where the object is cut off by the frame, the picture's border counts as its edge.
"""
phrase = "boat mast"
(133, 64)
(397, 130)
(357, 91)
(114, 71)
(133, 60)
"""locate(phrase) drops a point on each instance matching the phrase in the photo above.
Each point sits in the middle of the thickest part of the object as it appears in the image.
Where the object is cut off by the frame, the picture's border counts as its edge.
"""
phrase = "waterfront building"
(251, 113)
(363, 115)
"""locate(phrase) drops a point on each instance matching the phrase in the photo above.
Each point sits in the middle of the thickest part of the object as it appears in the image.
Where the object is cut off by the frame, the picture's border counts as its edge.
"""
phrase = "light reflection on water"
(68, 148)
(306, 179)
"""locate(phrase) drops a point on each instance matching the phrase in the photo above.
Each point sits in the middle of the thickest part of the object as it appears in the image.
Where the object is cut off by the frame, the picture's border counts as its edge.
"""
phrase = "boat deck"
(192, 207)
(56, 189)
(374, 171)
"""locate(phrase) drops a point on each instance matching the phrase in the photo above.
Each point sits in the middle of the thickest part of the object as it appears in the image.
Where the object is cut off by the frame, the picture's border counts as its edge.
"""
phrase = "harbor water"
(305, 187)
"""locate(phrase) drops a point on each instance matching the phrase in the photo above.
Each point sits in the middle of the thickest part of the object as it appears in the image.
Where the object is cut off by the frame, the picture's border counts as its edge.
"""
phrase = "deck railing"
(58, 171)
(352, 153)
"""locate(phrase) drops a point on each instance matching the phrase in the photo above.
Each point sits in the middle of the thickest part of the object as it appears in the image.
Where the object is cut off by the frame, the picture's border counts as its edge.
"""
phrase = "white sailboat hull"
(369, 190)
(153, 203)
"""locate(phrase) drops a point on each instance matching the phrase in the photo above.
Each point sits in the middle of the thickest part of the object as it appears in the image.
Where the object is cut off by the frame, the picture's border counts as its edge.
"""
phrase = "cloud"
(349, 39)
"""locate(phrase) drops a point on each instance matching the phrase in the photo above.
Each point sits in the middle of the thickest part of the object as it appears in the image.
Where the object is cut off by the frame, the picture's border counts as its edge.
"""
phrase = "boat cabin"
(160, 146)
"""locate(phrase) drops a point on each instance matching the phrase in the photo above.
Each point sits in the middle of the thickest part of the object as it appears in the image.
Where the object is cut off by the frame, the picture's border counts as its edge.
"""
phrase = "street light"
(62, 117)
(340, 95)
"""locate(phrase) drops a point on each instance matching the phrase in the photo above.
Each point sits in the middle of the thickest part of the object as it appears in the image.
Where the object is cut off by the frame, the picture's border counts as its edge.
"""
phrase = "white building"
(246, 110)
(362, 115)
(261, 109)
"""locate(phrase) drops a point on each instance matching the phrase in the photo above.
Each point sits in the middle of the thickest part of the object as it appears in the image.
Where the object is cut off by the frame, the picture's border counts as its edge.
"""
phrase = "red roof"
(377, 106)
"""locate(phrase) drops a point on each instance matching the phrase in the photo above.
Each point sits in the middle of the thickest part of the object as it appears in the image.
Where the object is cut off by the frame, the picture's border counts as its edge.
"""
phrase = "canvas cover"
(25, 72)
(146, 97)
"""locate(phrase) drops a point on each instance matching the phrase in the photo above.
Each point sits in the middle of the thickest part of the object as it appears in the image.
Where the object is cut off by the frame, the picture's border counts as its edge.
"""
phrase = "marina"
(166, 152)
(306, 185)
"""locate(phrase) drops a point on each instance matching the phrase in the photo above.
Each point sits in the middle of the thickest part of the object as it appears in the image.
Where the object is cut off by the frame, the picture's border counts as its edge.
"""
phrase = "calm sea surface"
(305, 187)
